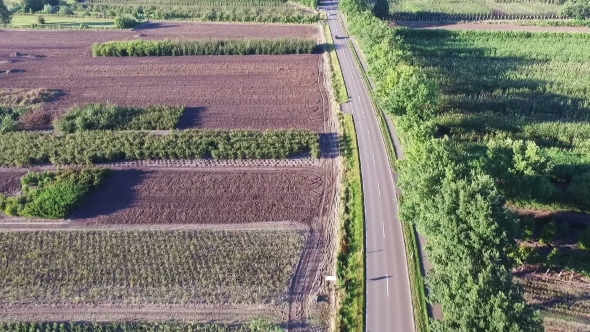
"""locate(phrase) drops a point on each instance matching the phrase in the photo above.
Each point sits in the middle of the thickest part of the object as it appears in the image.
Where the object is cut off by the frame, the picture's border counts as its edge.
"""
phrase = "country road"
(388, 299)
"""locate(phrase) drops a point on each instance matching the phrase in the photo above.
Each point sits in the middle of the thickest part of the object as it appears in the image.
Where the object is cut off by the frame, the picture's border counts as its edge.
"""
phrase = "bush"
(14, 9)
(584, 242)
(548, 234)
(53, 195)
(578, 9)
(65, 10)
(204, 47)
(49, 9)
(112, 117)
(84, 26)
(579, 190)
(125, 22)
(40, 20)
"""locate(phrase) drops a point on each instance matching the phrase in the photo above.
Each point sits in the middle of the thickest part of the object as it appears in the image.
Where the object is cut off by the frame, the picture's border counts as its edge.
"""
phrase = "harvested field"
(221, 92)
(10, 182)
(563, 298)
(119, 268)
(206, 197)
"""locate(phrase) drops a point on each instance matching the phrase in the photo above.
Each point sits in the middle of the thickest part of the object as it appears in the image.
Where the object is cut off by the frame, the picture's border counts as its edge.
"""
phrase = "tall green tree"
(381, 9)
(5, 16)
(353, 6)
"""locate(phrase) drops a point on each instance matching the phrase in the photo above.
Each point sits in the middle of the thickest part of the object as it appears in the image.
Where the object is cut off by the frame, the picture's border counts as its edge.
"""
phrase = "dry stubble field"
(221, 92)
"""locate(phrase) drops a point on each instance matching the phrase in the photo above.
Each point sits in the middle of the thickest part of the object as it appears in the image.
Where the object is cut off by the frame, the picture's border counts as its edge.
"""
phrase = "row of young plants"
(205, 47)
(256, 325)
(52, 195)
(458, 207)
(165, 11)
(113, 117)
(88, 147)
(206, 267)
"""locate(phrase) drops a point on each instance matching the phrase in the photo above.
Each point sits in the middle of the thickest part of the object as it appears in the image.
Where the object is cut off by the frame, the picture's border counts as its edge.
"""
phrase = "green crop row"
(52, 195)
(141, 267)
(205, 47)
(113, 117)
(88, 147)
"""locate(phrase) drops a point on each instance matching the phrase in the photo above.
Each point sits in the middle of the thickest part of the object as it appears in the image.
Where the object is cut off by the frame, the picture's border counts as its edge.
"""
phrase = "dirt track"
(487, 26)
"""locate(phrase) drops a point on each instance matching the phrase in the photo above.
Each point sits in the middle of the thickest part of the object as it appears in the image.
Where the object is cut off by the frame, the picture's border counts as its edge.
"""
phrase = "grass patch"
(24, 21)
(148, 267)
(88, 147)
(113, 117)
(351, 254)
(205, 47)
(338, 84)
(52, 195)
(26, 97)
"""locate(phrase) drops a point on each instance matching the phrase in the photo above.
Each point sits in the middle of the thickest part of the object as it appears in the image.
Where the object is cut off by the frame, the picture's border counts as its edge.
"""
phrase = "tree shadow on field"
(191, 118)
(329, 145)
(156, 25)
(118, 193)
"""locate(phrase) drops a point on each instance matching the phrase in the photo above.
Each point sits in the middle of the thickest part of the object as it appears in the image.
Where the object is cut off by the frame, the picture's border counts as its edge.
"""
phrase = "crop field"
(206, 197)
(430, 10)
(113, 268)
(563, 298)
(223, 92)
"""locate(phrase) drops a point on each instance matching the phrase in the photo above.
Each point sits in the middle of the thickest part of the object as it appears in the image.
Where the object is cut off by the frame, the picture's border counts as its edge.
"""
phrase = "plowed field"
(10, 182)
(205, 197)
(221, 92)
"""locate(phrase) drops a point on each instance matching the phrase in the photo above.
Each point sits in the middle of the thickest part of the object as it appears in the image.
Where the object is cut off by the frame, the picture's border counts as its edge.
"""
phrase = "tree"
(578, 9)
(381, 9)
(584, 242)
(5, 16)
(353, 6)
(33, 5)
(579, 190)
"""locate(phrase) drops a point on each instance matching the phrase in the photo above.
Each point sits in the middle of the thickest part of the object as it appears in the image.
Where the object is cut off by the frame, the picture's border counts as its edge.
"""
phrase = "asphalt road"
(389, 302)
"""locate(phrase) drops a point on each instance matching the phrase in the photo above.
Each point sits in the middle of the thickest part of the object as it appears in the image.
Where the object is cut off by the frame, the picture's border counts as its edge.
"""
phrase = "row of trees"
(458, 207)
(205, 47)
(5, 16)
(88, 147)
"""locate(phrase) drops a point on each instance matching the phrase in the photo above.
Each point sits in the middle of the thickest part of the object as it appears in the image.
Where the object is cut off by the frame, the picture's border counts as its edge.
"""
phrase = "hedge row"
(88, 147)
(113, 117)
(205, 47)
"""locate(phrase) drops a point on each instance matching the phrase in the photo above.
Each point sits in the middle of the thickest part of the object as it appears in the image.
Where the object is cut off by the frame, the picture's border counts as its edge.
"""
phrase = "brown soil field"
(10, 182)
(221, 92)
(205, 197)
(563, 298)
(503, 26)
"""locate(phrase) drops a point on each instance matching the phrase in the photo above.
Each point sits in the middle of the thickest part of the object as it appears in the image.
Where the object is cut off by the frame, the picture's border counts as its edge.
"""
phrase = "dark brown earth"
(205, 197)
(221, 92)
(10, 182)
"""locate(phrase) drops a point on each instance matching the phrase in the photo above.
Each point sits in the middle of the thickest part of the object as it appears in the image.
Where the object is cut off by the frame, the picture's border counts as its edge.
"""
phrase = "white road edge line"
(387, 279)
(383, 226)
(379, 188)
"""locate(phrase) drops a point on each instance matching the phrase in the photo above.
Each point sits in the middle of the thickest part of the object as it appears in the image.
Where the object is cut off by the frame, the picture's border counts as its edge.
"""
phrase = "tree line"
(205, 47)
(458, 207)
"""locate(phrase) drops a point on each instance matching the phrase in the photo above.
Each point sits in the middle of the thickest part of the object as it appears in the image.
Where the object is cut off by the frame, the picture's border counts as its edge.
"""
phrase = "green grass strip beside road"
(338, 85)
(412, 251)
(351, 254)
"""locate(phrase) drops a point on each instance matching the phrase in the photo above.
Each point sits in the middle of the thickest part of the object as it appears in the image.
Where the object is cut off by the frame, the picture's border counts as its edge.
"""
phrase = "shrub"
(578, 9)
(65, 10)
(84, 26)
(584, 242)
(548, 234)
(125, 22)
(204, 47)
(49, 9)
(40, 20)
(53, 195)
(579, 190)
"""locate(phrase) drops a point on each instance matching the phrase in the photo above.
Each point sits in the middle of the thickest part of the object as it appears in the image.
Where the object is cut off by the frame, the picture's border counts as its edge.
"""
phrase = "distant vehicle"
(336, 37)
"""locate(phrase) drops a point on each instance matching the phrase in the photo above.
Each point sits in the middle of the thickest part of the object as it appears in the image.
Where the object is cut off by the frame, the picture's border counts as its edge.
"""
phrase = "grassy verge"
(26, 21)
(412, 250)
(351, 255)
(338, 84)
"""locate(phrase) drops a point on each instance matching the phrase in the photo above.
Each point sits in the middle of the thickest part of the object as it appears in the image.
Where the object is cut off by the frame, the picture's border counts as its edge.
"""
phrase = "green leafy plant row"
(52, 195)
(88, 147)
(113, 117)
(205, 47)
